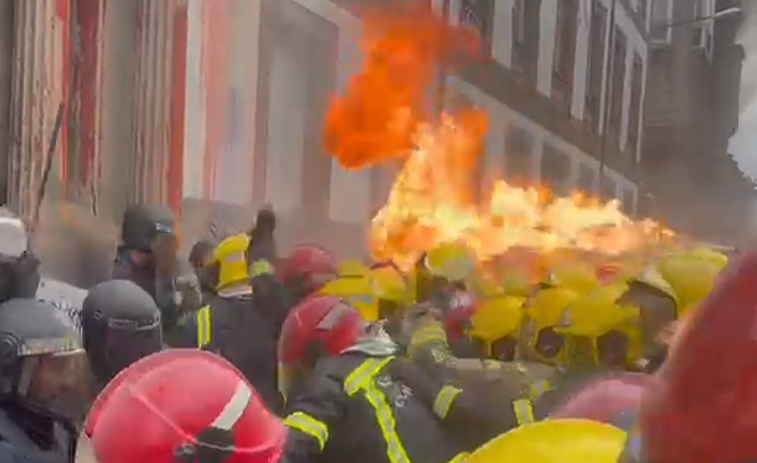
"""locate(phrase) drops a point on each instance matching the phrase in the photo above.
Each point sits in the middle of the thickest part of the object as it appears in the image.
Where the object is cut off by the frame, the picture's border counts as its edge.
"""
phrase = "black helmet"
(19, 267)
(43, 367)
(120, 325)
(143, 223)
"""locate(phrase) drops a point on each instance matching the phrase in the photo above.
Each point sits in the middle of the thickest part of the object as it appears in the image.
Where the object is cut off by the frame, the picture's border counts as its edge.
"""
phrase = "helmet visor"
(57, 383)
(128, 341)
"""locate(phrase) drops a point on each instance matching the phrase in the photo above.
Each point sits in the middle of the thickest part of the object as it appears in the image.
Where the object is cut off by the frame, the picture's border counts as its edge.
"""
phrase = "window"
(478, 14)
(555, 170)
(565, 47)
(661, 10)
(634, 112)
(596, 62)
(587, 178)
(518, 146)
(617, 82)
(526, 14)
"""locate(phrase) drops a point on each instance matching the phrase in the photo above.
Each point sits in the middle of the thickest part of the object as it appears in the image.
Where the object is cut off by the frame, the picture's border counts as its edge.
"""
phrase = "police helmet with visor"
(121, 323)
(42, 364)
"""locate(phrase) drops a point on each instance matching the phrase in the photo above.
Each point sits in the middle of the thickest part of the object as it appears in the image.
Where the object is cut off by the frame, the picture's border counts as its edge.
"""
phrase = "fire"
(433, 200)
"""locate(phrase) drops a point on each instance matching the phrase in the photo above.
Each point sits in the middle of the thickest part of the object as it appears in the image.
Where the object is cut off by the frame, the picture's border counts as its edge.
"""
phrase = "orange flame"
(382, 116)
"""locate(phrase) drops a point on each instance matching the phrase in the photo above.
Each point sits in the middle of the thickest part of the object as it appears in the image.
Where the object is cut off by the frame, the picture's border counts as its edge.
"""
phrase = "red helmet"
(458, 318)
(318, 326)
(613, 399)
(701, 406)
(171, 413)
(314, 264)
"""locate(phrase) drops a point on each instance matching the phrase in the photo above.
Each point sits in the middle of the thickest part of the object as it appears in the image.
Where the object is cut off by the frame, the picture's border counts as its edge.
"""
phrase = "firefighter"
(496, 325)
(19, 267)
(42, 385)
(349, 399)
(120, 325)
(443, 270)
(539, 340)
(599, 333)
(305, 270)
(147, 256)
(700, 406)
(180, 405)
(233, 325)
(358, 291)
(554, 441)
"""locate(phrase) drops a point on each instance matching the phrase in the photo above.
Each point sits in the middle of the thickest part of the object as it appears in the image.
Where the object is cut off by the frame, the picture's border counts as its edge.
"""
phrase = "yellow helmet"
(228, 265)
(391, 290)
(357, 291)
(543, 314)
(483, 287)
(496, 322)
(599, 331)
(451, 261)
(578, 276)
(352, 268)
(554, 441)
(691, 274)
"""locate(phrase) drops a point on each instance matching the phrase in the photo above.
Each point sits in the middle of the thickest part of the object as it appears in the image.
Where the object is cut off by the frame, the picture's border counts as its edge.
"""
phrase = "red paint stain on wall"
(178, 106)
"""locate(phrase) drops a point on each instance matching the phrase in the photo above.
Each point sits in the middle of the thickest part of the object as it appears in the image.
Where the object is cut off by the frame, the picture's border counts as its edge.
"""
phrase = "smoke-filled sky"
(744, 143)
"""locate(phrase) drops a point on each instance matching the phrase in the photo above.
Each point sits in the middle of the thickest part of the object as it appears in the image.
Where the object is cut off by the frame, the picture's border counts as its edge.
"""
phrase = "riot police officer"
(120, 325)
(42, 383)
(147, 256)
(19, 267)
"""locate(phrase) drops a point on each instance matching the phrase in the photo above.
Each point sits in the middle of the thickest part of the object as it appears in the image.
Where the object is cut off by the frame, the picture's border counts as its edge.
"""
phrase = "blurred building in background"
(564, 88)
(215, 108)
(689, 178)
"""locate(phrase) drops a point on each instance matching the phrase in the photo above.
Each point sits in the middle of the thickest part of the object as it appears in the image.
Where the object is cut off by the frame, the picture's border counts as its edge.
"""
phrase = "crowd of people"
(301, 358)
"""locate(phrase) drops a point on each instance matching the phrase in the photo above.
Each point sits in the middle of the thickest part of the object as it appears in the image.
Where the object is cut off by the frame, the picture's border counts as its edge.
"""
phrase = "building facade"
(692, 111)
(215, 108)
(566, 106)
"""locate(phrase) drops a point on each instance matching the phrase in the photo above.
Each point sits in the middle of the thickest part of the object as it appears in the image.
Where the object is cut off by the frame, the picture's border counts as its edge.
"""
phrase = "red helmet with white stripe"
(320, 326)
(163, 409)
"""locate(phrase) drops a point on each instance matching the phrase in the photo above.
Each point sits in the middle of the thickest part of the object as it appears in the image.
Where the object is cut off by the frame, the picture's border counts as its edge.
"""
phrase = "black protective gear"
(43, 378)
(143, 223)
(245, 334)
(339, 414)
(120, 325)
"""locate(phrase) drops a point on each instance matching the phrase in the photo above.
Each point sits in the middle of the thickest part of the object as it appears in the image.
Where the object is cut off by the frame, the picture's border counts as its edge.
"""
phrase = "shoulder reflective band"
(524, 412)
(428, 334)
(361, 379)
(314, 428)
(444, 400)
(260, 267)
(203, 326)
(537, 389)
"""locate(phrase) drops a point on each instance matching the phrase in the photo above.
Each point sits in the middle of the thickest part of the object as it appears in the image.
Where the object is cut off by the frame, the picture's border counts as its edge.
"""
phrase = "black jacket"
(245, 335)
(346, 425)
(163, 292)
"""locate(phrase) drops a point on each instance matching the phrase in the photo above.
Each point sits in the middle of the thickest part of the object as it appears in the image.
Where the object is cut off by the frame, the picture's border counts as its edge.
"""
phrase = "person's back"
(246, 337)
